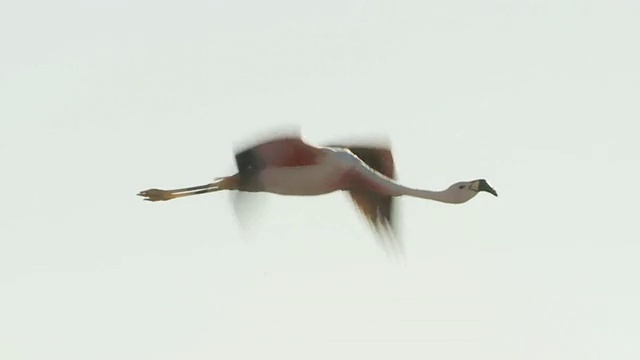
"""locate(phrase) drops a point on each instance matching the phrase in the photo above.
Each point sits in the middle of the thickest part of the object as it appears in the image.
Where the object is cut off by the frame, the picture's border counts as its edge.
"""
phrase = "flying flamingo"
(287, 165)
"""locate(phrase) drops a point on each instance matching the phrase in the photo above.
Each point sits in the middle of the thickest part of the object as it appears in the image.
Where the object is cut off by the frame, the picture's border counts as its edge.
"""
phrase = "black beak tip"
(484, 186)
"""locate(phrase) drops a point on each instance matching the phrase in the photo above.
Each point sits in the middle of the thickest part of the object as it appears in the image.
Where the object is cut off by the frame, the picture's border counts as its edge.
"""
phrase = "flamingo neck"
(440, 196)
(395, 189)
(391, 187)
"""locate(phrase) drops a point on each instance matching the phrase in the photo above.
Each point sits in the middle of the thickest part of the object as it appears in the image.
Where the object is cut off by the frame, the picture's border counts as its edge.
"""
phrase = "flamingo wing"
(286, 151)
(376, 208)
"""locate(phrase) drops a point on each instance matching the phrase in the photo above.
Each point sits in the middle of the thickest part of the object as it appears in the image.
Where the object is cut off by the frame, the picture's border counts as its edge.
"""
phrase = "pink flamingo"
(287, 165)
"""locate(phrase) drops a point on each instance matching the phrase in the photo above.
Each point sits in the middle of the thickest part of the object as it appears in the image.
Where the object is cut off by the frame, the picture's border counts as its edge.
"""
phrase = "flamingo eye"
(461, 187)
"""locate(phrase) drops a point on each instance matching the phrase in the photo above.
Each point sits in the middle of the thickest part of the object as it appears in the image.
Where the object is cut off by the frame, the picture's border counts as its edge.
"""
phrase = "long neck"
(395, 189)
(441, 196)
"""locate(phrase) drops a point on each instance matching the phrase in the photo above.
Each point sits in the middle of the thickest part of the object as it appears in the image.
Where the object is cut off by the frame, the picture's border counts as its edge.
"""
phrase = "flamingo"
(288, 165)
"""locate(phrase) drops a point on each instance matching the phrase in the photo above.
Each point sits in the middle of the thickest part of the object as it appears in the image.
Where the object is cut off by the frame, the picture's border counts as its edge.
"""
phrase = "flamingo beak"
(482, 185)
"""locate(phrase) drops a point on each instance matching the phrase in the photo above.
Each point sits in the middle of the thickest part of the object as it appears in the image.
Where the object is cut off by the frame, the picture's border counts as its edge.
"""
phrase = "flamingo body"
(324, 176)
(289, 166)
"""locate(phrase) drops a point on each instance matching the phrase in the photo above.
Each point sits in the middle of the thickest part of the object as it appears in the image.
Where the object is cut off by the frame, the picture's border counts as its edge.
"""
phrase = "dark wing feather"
(282, 151)
(376, 208)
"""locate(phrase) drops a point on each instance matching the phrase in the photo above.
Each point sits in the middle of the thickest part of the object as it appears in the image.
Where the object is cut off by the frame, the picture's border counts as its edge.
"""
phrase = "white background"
(99, 100)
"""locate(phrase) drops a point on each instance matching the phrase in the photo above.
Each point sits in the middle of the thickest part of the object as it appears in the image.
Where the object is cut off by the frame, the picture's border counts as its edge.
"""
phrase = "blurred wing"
(376, 208)
(280, 151)
(277, 152)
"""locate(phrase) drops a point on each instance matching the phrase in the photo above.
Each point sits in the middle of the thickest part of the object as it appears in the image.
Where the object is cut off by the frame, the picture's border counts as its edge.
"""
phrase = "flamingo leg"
(164, 195)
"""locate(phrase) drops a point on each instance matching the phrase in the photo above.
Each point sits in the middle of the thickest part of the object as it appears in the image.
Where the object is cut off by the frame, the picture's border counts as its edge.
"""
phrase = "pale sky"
(99, 100)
